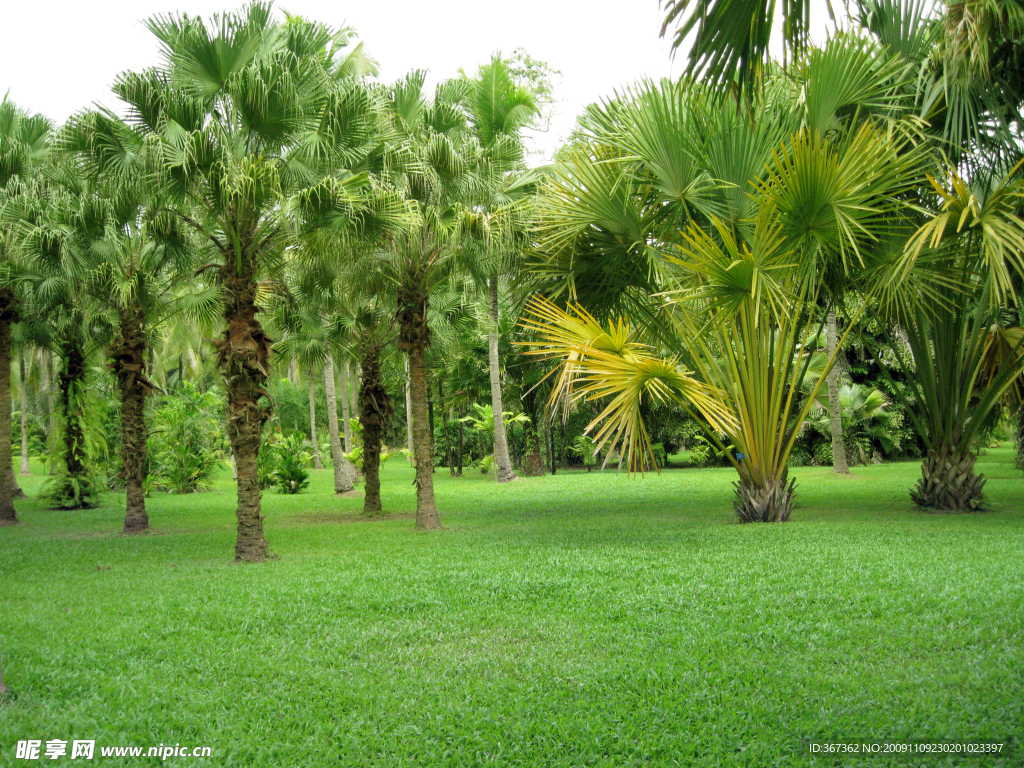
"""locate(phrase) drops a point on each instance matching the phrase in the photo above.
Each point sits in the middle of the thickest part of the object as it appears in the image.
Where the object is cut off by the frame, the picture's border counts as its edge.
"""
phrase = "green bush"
(186, 441)
(292, 455)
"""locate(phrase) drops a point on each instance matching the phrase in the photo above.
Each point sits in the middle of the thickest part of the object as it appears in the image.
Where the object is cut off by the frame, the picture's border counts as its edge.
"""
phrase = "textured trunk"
(502, 461)
(533, 463)
(770, 503)
(346, 410)
(25, 468)
(427, 516)
(8, 315)
(948, 481)
(317, 464)
(342, 474)
(462, 446)
(51, 406)
(128, 361)
(375, 410)
(414, 338)
(70, 381)
(408, 414)
(430, 422)
(243, 357)
(839, 463)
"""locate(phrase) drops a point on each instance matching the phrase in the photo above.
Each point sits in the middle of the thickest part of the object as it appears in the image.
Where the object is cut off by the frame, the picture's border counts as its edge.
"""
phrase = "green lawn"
(581, 619)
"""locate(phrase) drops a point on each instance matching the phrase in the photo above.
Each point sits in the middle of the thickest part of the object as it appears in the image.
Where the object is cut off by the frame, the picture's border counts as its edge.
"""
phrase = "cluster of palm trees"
(255, 172)
(718, 235)
(690, 245)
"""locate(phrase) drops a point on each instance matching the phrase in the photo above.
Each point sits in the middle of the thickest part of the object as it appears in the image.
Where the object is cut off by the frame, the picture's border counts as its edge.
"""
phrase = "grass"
(580, 619)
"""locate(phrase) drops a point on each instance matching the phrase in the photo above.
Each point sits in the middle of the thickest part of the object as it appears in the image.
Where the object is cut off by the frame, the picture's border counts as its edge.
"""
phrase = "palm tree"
(652, 219)
(499, 109)
(140, 256)
(23, 145)
(256, 120)
(956, 374)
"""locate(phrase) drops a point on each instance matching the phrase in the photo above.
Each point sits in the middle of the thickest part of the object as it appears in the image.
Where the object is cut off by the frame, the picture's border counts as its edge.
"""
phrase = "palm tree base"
(949, 483)
(768, 504)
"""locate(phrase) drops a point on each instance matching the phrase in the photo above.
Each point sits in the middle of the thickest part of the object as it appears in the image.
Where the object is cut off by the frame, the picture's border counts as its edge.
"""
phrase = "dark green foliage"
(291, 456)
(185, 446)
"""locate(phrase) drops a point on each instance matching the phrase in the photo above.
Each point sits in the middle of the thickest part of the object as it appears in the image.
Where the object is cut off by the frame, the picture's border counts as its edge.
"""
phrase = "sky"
(59, 57)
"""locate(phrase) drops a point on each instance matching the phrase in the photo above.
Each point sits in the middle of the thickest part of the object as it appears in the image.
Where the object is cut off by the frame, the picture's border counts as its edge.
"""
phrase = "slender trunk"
(502, 462)
(408, 413)
(445, 418)
(346, 411)
(342, 473)
(375, 410)
(25, 467)
(551, 447)
(8, 315)
(128, 361)
(948, 481)
(243, 357)
(51, 408)
(430, 421)
(427, 516)
(317, 464)
(462, 436)
(532, 463)
(839, 463)
(413, 339)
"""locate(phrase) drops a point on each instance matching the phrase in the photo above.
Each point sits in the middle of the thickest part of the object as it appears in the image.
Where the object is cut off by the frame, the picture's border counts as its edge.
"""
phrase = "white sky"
(59, 56)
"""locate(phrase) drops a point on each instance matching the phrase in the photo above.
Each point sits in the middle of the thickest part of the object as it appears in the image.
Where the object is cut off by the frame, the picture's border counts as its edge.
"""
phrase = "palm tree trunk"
(502, 461)
(375, 410)
(770, 502)
(317, 464)
(1020, 435)
(128, 361)
(413, 339)
(25, 467)
(243, 357)
(839, 463)
(408, 413)
(346, 410)
(948, 481)
(8, 315)
(77, 491)
(462, 437)
(427, 516)
(342, 475)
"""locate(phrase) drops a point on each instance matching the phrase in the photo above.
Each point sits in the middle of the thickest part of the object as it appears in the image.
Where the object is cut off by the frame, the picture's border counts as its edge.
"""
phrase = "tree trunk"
(342, 473)
(427, 516)
(408, 414)
(839, 462)
(128, 361)
(51, 407)
(8, 315)
(25, 467)
(502, 461)
(413, 339)
(462, 437)
(317, 464)
(243, 357)
(771, 503)
(948, 481)
(375, 410)
(346, 411)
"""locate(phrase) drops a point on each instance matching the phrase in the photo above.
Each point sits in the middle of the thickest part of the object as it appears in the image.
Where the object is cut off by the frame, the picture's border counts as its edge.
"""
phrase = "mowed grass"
(580, 619)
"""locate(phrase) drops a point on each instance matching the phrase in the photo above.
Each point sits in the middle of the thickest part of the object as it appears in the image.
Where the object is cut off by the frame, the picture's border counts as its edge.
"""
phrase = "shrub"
(185, 444)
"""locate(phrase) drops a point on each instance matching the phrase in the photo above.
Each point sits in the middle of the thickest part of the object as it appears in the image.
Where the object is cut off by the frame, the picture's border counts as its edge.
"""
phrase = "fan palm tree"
(499, 109)
(654, 219)
(257, 120)
(961, 362)
(23, 146)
